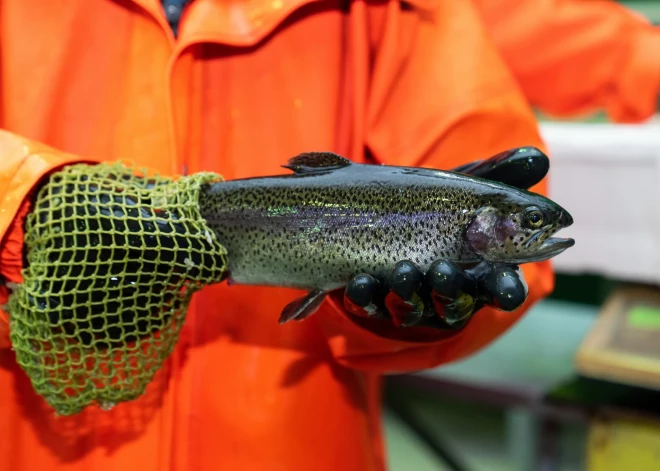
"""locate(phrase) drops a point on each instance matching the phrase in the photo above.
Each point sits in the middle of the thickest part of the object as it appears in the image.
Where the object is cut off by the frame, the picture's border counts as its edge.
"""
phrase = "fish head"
(518, 228)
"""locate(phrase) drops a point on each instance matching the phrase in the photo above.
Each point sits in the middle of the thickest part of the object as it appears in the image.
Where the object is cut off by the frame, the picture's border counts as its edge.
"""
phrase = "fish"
(331, 219)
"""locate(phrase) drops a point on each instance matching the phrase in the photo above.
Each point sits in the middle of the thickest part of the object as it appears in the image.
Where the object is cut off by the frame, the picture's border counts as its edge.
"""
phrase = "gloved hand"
(113, 258)
(447, 296)
(110, 254)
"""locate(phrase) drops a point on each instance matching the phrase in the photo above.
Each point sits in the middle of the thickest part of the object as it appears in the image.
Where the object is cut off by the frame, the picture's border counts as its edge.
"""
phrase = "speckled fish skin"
(332, 219)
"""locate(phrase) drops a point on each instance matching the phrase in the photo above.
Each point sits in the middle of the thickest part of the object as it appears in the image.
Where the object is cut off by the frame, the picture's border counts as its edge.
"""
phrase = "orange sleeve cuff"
(11, 248)
(22, 164)
(11, 264)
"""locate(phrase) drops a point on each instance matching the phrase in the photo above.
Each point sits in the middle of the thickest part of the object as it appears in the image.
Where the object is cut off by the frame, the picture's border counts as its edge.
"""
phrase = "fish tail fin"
(303, 307)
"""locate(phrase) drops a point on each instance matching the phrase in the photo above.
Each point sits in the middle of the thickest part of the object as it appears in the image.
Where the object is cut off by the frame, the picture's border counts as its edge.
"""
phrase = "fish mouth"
(553, 246)
(550, 248)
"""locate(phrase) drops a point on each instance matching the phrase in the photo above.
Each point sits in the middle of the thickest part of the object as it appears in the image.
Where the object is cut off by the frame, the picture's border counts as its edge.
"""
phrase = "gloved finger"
(446, 279)
(403, 302)
(458, 311)
(448, 283)
(465, 168)
(363, 296)
(522, 167)
(505, 288)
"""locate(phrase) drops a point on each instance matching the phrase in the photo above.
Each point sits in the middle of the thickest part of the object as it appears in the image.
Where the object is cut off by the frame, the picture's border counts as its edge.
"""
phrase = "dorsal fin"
(316, 162)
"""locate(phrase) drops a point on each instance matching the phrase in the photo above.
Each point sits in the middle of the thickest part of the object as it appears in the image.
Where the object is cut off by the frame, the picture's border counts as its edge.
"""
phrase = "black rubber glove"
(447, 296)
(112, 256)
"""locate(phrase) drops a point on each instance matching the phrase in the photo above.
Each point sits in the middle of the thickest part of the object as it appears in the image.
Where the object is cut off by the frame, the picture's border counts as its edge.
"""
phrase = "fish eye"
(534, 218)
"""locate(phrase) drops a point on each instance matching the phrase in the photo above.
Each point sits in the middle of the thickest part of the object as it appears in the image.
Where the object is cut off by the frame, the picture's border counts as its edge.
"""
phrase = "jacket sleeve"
(22, 164)
(436, 102)
(575, 57)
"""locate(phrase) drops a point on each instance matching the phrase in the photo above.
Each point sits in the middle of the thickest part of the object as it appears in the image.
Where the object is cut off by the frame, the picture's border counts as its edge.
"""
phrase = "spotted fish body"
(331, 219)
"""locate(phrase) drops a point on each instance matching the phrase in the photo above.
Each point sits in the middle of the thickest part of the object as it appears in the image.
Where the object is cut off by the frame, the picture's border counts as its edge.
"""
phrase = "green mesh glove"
(113, 257)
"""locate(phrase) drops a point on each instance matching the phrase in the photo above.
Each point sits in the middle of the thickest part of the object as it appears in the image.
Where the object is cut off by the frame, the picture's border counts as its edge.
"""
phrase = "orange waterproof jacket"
(246, 85)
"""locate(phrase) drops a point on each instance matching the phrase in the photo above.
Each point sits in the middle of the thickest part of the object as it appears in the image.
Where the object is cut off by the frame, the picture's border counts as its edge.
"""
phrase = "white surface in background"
(608, 177)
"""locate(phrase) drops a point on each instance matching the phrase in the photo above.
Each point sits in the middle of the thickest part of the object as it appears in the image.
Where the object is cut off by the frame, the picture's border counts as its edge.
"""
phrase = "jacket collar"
(231, 22)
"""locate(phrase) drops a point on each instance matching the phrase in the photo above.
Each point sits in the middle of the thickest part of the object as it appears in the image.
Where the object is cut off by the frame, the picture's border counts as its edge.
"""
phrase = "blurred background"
(575, 385)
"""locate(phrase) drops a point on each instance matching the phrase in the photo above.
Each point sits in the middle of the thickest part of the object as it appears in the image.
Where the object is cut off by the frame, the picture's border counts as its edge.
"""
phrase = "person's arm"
(435, 105)
(574, 56)
(22, 164)
(104, 259)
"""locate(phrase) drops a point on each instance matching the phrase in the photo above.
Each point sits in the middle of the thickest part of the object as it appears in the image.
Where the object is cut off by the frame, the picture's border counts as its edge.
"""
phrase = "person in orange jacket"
(240, 88)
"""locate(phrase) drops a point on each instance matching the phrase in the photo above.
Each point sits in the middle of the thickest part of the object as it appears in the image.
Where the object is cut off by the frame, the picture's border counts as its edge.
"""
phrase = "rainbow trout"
(332, 219)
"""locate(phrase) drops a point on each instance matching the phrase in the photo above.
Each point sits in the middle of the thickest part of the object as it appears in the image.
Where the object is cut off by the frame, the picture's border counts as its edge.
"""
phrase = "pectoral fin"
(303, 307)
